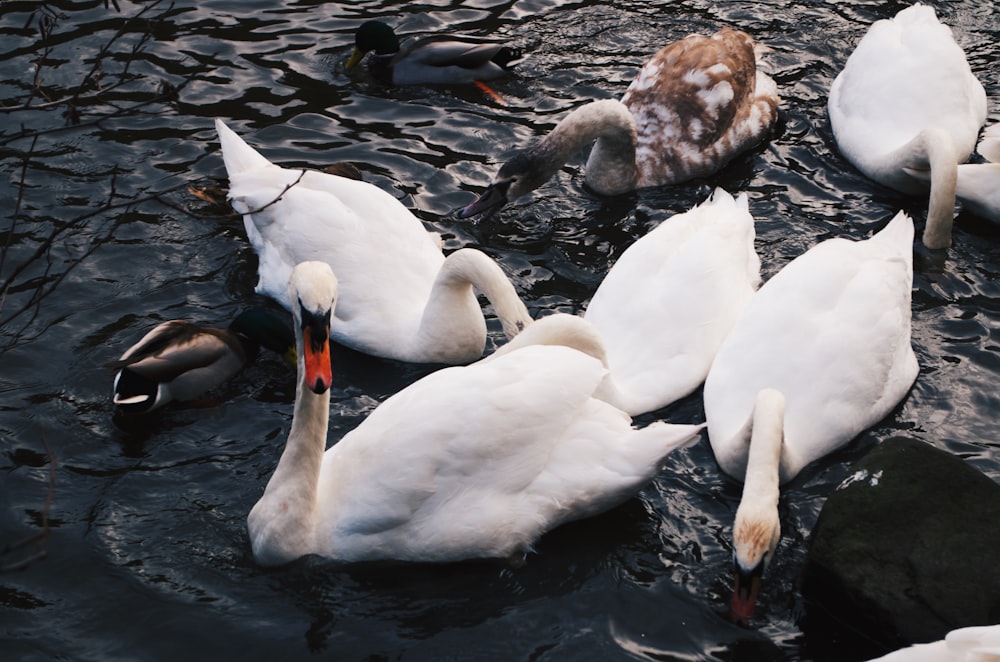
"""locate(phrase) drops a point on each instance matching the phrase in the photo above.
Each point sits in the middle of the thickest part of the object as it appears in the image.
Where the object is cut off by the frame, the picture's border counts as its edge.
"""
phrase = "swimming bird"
(665, 306)
(400, 297)
(436, 59)
(693, 107)
(978, 184)
(179, 360)
(821, 353)
(471, 461)
(907, 109)
(970, 644)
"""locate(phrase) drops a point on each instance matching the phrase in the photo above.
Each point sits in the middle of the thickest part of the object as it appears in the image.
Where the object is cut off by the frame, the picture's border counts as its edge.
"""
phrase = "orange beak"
(319, 374)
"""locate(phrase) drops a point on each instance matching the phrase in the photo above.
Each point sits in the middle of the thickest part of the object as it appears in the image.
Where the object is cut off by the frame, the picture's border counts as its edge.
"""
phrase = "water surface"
(147, 555)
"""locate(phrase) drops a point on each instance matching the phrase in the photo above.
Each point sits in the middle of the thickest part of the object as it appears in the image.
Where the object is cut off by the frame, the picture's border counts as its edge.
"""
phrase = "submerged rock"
(907, 547)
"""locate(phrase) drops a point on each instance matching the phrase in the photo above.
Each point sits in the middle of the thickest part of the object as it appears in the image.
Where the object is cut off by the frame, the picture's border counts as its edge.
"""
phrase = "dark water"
(147, 555)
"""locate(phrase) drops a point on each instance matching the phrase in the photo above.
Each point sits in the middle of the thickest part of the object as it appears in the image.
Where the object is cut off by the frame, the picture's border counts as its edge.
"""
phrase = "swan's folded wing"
(458, 447)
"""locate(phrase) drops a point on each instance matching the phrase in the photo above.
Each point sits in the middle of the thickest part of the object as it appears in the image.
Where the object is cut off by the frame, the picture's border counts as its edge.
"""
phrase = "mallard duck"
(400, 297)
(695, 105)
(469, 462)
(437, 59)
(664, 308)
(821, 353)
(906, 110)
(179, 360)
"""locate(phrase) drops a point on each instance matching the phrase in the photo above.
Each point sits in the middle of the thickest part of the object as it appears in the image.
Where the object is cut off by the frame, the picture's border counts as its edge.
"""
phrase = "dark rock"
(907, 547)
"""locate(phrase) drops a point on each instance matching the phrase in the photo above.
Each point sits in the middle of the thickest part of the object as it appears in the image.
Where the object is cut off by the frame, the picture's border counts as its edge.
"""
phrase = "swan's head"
(372, 36)
(755, 537)
(312, 293)
(525, 172)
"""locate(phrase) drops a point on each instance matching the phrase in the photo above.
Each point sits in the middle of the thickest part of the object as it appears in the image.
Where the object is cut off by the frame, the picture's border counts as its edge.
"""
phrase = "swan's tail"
(657, 440)
(722, 197)
(236, 153)
(899, 231)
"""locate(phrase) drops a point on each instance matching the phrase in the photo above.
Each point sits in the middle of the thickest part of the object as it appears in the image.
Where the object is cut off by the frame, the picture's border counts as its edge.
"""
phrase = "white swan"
(907, 103)
(693, 107)
(468, 462)
(666, 305)
(971, 644)
(978, 185)
(400, 297)
(821, 353)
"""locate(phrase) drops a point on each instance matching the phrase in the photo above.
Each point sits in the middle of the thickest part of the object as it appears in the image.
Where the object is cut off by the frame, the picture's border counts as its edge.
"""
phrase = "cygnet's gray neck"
(610, 126)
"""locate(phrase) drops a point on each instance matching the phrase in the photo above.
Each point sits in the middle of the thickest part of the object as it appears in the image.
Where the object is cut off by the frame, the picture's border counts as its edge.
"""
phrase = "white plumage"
(831, 331)
(978, 185)
(474, 461)
(821, 353)
(971, 644)
(669, 301)
(906, 110)
(400, 297)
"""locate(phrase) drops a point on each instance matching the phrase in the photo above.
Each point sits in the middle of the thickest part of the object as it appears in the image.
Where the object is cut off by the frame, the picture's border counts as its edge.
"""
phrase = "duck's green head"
(373, 36)
(260, 327)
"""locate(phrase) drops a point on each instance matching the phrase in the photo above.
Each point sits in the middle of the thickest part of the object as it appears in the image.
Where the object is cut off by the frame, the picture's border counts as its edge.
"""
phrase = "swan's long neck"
(611, 165)
(299, 466)
(453, 317)
(934, 149)
(281, 524)
(756, 528)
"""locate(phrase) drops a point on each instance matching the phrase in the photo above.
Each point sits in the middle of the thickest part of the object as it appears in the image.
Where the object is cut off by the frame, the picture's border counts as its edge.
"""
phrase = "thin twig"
(119, 112)
(14, 216)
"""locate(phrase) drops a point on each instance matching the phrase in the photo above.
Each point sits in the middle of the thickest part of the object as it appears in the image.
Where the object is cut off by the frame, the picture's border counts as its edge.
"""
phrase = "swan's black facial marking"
(318, 326)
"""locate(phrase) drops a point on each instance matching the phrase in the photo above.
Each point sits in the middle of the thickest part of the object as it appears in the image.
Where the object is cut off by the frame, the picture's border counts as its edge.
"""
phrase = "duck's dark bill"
(490, 202)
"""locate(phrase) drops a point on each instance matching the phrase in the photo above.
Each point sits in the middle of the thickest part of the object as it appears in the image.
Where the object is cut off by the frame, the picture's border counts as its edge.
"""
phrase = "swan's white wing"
(667, 304)
(971, 644)
(978, 187)
(906, 74)
(831, 331)
(384, 259)
(989, 145)
(478, 461)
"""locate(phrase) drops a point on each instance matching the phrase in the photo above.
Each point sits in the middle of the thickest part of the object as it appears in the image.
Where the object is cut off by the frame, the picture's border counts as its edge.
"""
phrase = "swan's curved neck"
(453, 316)
(934, 149)
(762, 478)
(560, 329)
(757, 526)
(576, 333)
(611, 165)
(281, 524)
